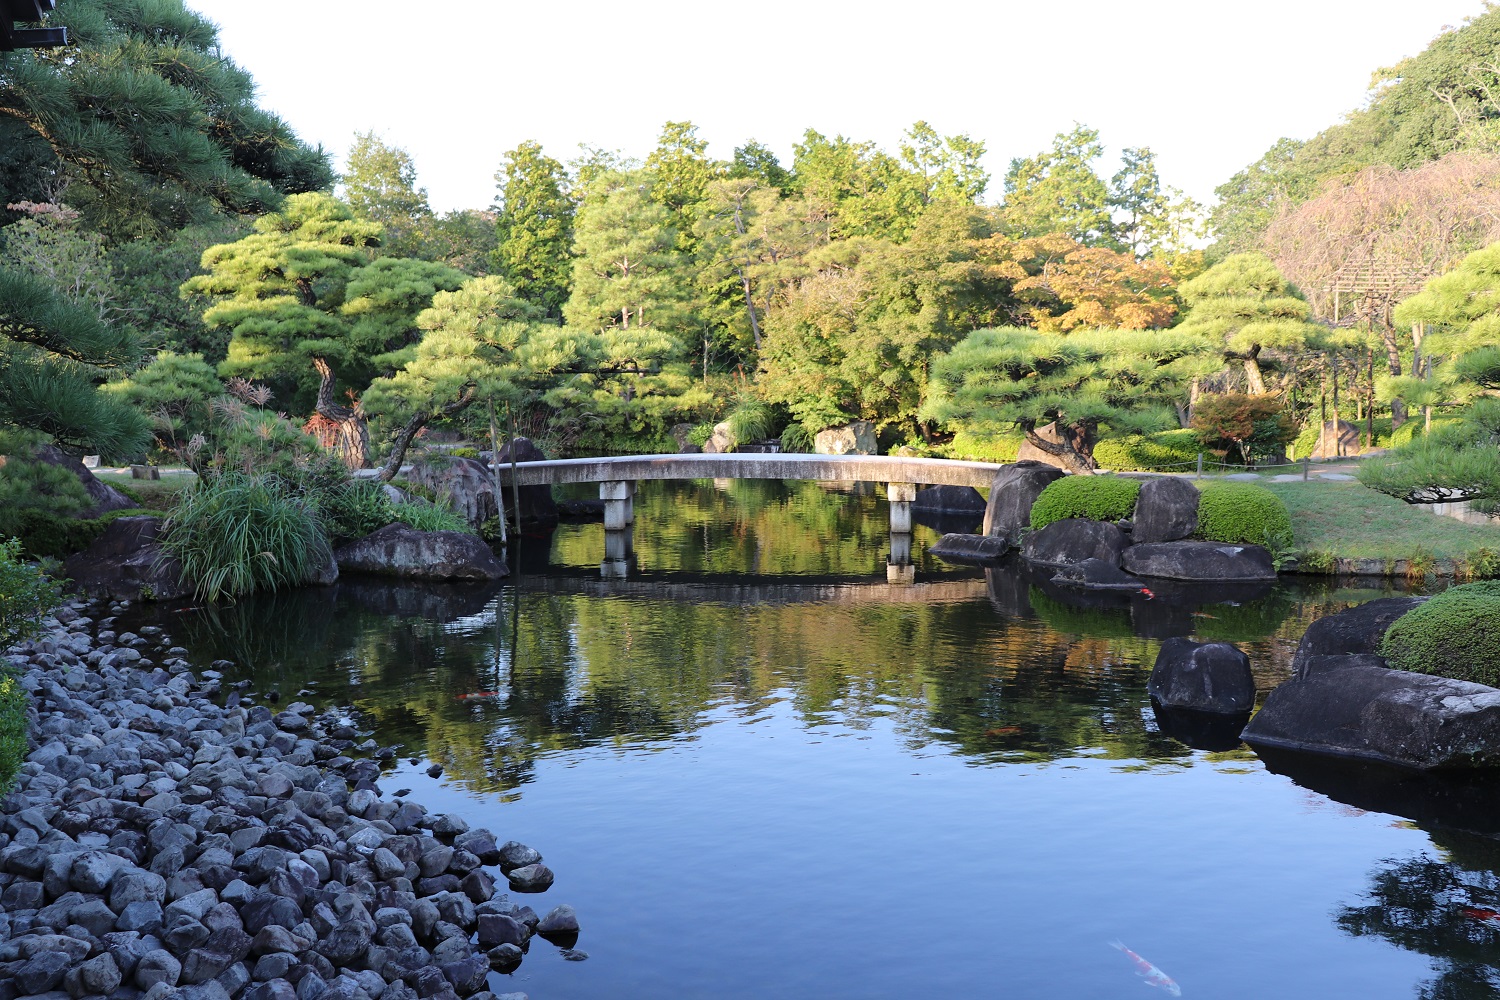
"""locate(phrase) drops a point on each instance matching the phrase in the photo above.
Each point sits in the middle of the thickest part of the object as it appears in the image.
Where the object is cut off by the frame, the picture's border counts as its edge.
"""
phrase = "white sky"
(1207, 84)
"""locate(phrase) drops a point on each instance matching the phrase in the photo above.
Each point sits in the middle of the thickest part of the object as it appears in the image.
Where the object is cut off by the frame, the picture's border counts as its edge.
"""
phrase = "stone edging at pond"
(159, 845)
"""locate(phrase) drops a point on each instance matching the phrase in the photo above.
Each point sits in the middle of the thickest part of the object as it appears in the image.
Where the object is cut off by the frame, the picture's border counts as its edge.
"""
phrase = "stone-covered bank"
(161, 845)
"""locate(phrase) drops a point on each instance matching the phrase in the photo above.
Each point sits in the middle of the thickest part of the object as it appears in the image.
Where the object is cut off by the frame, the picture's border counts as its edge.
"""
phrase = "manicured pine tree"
(534, 227)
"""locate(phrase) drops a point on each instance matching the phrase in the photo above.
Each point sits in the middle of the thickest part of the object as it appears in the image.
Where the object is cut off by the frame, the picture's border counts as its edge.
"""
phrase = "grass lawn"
(1350, 521)
(152, 494)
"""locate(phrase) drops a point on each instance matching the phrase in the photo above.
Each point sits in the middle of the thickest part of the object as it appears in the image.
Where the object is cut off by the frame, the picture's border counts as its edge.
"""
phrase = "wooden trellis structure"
(28, 12)
(1378, 286)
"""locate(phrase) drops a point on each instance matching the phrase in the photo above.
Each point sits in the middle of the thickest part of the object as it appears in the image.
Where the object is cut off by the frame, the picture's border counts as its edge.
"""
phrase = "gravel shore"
(165, 840)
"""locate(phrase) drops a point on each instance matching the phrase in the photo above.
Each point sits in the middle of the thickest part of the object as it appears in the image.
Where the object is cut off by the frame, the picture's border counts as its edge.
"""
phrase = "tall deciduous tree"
(1062, 284)
(1150, 220)
(380, 184)
(148, 125)
(1082, 382)
(534, 227)
(1057, 191)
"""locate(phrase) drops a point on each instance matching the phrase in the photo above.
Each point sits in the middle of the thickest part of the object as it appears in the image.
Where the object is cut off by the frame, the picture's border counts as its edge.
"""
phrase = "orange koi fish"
(479, 696)
(1484, 916)
(1146, 591)
(1150, 973)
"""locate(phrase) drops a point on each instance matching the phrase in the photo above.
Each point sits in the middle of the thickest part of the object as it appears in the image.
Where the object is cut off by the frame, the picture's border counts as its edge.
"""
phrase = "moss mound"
(1243, 513)
(1097, 498)
(1455, 634)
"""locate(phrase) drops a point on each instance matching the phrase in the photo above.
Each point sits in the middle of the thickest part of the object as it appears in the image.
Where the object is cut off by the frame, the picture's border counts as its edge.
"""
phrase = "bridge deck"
(824, 468)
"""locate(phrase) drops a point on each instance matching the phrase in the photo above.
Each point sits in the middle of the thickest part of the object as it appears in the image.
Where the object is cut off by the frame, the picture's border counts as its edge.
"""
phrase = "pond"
(760, 770)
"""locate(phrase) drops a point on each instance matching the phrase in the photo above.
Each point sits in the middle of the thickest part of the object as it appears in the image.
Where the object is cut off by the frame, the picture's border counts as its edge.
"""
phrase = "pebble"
(159, 845)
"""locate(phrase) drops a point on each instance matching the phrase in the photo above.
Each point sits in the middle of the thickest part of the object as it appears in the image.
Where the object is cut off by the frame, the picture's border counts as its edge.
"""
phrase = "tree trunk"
(1253, 378)
(1074, 448)
(339, 429)
(1393, 358)
(750, 308)
(414, 426)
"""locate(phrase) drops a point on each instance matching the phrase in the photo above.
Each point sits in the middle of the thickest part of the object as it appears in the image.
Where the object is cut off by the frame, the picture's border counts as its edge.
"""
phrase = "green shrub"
(1097, 498)
(26, 595)
(465, 452)
(353, 509)
(969, 446)
(235, 534)
(797, 438)
(47, 536)
(1455, 634)
(429, 517)
(1165, 451)
(750, 421)
(700, 434)
(13, 702)
(1243, 512)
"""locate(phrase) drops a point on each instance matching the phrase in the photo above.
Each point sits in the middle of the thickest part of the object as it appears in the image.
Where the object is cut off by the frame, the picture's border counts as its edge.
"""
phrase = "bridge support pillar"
(901, 497)
(619, 554)
(898, 565)
(619, 503)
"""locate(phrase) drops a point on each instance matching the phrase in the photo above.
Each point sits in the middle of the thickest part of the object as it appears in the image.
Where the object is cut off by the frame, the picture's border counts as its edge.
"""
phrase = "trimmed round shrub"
(1097, 498)
(235, 534)
(1455, 634)
(1242, 512)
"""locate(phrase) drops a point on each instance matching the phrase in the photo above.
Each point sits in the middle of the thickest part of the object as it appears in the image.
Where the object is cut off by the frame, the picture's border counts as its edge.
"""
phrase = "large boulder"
(721, 441)
(106, 498)
(1336, 439)
(1097, 574)
(399, 550)
(949, 500)
(1012, 492)
(1355, 630)
(857, 438)
(1348, 706)
(683, 435)
(1200, 561)
(1202, 676)
(126, 562)
(1166, 510)
(970, 548)
(1073, 540)
(538, 508)
(468, 484)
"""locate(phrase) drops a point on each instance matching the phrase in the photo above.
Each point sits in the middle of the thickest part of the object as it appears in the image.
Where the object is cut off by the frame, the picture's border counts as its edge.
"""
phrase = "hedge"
(967, 446)
(1164, 451)
(45, 535)
(1455, 634)
(1242, 512)
(1097, 498)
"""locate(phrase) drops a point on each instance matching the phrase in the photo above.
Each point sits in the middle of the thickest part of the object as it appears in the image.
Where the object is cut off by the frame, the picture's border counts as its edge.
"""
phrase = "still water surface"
(758, 770)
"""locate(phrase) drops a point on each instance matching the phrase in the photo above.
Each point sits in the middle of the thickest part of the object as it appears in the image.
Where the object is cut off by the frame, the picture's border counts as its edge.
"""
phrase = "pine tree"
(380, 184)
(1057, 191)
(534, 227)
(148, 124)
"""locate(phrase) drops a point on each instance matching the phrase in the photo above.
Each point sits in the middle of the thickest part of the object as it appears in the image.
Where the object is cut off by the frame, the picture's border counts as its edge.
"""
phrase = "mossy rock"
(1095, 498)
(1243, 513)
(1455, 634)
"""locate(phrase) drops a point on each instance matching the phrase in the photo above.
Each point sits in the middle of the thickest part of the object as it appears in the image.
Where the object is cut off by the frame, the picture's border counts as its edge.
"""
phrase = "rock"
(467, 976)
(505, 956)
(1166, 510)
(93, 871)
(478, 885)
(1357, 709)
(1200, 561)
(157, 967)
(467, 484)
(1202, 676)
(560, 920)
(145, 917)
(682, 434)
(971, 548)
(106, 498)
(857, 438)
(96, 977)
(398, 550)
(1097, 574)
(514, 854)
(949, 500)
(126, 563)
(1012, 493)
(134, 885)
(498, 928)
(538, 508)
(530, 878)
(41, 972)
(1355, 630)
(721, 441)
(1072, 540)
(1336, 440)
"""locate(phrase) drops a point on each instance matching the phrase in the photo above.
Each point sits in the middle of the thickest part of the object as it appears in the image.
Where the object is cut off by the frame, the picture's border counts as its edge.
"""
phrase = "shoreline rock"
(159, 844)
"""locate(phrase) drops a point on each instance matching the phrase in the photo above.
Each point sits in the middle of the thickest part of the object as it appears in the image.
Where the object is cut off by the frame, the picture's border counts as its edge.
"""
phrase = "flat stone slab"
(1199, 561)
(971, 548)
(398, 550)
(1356, 709)
(1073, 540)
(1097, 574)
(1337, 477)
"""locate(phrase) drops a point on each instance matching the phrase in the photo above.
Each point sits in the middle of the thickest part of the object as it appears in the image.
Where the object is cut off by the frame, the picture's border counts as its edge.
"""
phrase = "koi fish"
(479, 695)
(1146, 592)
(1149, 972)
(1003, 731)
(1200, 614)
(1484, 916)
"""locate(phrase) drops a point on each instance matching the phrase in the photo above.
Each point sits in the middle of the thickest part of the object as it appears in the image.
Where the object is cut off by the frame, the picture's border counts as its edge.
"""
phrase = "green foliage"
(1096, 498)
(44, 535)
(173, 392)
(26, 596)
(1242, 513)
(975, 445)
(150, 123)
(700, 433)
(1244, 305)
(534, 227)
(465, 452)
(352, 509)
(236, 534)
(1057, 191)
(797, 438)
(750, 421)
(1175, 450)
(429, 517)
(1455, 634)
(1448, 464)
(380, 184)
(13, 705)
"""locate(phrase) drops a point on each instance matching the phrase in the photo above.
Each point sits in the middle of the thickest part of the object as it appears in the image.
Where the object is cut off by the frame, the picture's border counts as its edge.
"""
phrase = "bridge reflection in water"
(617, 478)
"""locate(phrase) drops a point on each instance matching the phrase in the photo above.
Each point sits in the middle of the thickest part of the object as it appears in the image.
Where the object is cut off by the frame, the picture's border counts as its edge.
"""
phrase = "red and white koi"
(1150, 973)
(1485, 916)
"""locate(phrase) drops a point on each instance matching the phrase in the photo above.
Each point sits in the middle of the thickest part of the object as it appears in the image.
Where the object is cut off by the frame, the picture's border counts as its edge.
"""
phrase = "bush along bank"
(157, 844)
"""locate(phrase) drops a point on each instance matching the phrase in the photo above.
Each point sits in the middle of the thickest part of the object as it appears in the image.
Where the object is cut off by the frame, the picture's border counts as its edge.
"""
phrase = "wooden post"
(1306, 463)
(1200, 465)
(495, 471)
